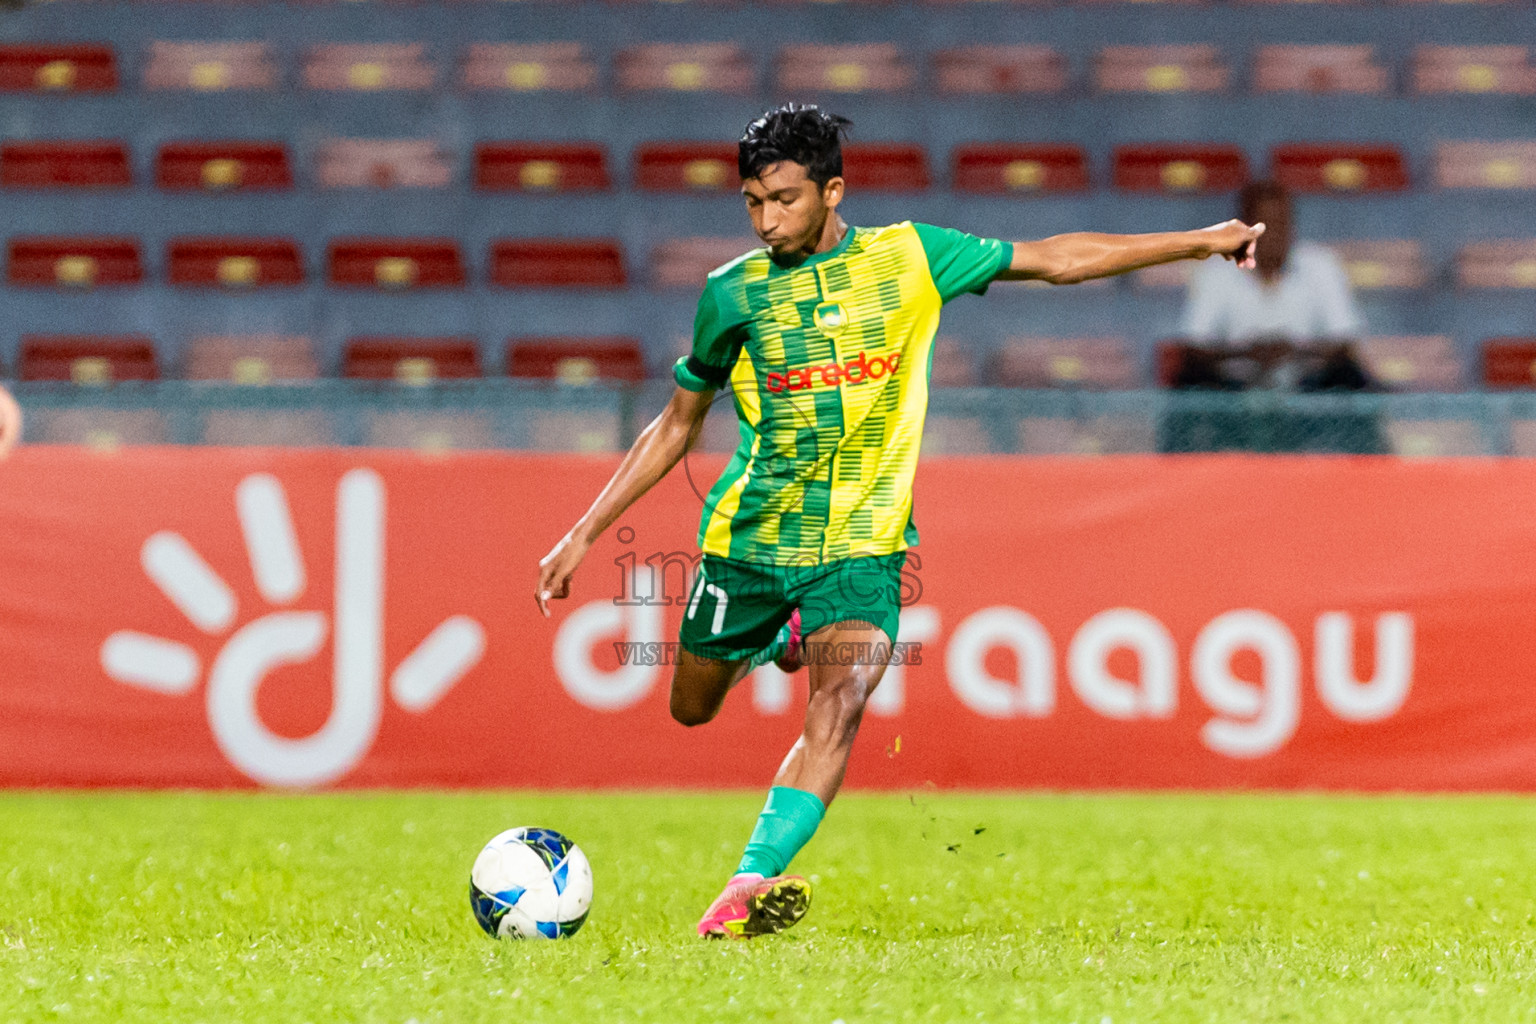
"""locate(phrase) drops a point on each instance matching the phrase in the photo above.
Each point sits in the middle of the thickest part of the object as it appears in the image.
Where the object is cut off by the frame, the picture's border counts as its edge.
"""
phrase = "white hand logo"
(288, 637)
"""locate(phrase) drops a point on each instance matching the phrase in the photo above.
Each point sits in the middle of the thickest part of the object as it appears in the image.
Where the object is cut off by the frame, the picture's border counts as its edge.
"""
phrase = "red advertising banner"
(239, 618)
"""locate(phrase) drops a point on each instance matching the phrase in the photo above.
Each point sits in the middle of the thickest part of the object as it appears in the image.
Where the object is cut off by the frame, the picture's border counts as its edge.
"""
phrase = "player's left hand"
(10, 423)
(1233, 240)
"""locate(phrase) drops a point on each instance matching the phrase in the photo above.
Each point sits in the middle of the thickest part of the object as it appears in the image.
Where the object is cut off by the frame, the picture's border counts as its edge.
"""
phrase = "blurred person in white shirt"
(1289, 324)
(10, 422)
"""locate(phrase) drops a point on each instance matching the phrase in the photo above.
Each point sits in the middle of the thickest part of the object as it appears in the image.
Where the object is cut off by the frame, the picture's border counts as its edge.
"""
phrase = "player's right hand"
(10, 423)
(1233, 240)
(556, 570)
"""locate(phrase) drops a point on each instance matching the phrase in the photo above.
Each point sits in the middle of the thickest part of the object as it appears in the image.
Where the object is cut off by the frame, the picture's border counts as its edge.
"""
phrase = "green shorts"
(737, 608)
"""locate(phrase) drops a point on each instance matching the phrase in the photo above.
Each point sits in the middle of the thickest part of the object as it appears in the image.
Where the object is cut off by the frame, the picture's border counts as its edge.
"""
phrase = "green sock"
(788, 821)
(774, 651)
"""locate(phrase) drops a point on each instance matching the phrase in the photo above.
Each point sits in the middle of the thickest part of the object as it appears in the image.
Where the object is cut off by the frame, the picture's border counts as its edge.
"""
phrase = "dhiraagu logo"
(831, 318)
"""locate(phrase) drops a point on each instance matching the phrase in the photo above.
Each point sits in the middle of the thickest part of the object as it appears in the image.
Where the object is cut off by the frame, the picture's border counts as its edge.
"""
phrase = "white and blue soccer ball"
(530, 883)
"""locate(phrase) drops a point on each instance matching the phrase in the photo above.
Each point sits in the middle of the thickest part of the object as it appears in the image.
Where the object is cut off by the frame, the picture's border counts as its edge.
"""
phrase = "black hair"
(1256, 192)
(806, 135)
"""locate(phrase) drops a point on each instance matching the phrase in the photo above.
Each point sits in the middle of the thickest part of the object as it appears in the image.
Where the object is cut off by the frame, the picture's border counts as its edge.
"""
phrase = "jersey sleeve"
(718, 334)
(961, 263)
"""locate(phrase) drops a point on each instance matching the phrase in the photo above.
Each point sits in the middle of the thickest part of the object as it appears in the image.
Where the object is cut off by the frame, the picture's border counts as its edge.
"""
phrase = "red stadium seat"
(886, 166)
(1509, 364)
(395, 263)
(411, 360)
(576, 360)
(368, 67)
(963, 70)
(57, 67)
(1160, 69)
(686, 67)
(853, 68)
(1339, 167)
(542, 167)
(432, 433)
(47, 262)
(87, 358)
(234, 262)
(251, 359)
(95, 164)
(223, 166)
(1014, 168)
(1500, 263)
(1385, 263)
(557, 263)
(529, 67)
(686, 167)
(686, 262)
(1414, 363)
(953, 365)
(210, 67)
(1169, 360)
(382, 163)
(1486, 164)
(1064, 362)
(1473, 69)
(1176, 168)
(1348, 69)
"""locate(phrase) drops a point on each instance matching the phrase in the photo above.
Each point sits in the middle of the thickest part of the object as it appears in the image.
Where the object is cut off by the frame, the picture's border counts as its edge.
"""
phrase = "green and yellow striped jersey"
(827, 360)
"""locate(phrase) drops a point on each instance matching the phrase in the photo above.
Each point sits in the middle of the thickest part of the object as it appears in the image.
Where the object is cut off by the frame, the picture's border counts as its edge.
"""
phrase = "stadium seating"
(984, 68)
(1338, 167)
(234, 262)
(103, 430)
(1509, 364)
(47, 262)
(73, 164)
(382, 163)
(686, 262)
(395, 264)
(852, 68)
(1413, 363)
(685, 67)
(1164, 277)
(87, 359)
(576, 360)
(210, 67)
(1160, 69)
(541, 167)
(285, 428)
(563, 431)
(953, 364)
(1505, 263)
(948, 434)
(557, 263)
(1102, 435)
(57, 67)
(1319, 69)
(223, 166)
(1391, 263)
(368, 67)
(428, 432)
(1473, 69)
(686, 167)
(1486, 164)
(251, 359)
(1176, 168)
(1064, 362)
(1014, 167)
(886, 167)
(529, 67)
(411, 360)
(1426, 438)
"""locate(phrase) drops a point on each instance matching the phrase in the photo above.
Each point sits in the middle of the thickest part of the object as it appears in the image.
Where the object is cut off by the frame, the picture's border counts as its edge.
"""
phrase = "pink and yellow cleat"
(792, 658)
(753, 905)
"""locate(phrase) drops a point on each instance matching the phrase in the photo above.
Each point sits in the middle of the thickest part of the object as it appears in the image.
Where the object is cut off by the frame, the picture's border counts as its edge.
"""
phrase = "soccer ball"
(530, 883)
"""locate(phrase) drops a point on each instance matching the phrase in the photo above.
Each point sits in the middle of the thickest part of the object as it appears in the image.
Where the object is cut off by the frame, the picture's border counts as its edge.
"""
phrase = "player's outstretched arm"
(1082, 256)
(10, 423)
(658, 448)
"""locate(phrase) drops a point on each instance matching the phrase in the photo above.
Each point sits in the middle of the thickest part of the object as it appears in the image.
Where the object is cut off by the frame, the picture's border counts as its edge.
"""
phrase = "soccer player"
(824, 337)
(10, 423)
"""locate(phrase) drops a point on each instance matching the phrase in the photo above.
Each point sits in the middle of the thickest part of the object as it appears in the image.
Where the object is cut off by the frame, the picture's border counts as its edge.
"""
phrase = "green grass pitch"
(927, 907)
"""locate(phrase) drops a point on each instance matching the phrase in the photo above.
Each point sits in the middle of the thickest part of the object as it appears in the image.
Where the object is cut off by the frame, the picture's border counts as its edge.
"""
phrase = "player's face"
(789, 211)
